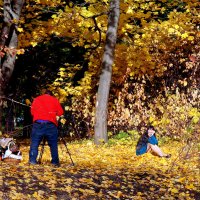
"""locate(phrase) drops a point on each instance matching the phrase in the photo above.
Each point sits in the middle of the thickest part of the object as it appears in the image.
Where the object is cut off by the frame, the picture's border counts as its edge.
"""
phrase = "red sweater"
(46, 107)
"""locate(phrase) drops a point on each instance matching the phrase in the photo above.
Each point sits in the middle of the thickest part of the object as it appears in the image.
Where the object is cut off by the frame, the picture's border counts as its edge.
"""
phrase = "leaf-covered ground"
(106, 172)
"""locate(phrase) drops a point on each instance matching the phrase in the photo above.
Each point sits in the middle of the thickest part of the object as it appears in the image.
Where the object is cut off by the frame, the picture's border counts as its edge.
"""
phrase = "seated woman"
(148, 142)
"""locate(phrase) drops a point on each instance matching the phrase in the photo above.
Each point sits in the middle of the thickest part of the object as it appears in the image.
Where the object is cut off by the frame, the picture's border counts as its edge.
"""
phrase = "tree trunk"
(8, 45)
(106, 75)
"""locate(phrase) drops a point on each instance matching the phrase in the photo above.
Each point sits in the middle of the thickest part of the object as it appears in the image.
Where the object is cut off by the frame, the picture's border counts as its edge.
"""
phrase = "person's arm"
(33, 107)
(153, 140)
(60, 110)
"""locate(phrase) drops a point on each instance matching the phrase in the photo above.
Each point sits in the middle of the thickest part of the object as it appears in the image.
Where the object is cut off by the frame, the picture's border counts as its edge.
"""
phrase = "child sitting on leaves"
(149, 143)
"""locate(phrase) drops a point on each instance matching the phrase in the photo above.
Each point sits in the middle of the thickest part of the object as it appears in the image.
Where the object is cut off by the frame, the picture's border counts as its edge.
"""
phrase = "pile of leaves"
(110, 171)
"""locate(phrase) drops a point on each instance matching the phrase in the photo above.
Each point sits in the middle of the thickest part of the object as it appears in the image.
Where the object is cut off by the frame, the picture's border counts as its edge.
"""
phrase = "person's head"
(150, 131)
(14, 147)
(49, 92)
(46, 91)
(150, 128)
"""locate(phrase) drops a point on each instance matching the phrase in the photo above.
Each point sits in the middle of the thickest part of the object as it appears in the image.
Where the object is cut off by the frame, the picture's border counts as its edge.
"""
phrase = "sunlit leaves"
(111, 171)
(155, 39)
(148, 32)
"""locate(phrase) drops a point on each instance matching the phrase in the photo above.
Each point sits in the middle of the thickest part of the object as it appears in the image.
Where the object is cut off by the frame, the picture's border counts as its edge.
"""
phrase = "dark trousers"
(49, 132)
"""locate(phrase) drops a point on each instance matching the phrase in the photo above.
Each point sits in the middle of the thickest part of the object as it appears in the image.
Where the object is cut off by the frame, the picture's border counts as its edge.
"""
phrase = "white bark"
(106, 74)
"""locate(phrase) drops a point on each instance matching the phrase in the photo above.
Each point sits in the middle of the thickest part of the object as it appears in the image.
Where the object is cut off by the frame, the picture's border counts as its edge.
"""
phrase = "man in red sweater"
(45, 109)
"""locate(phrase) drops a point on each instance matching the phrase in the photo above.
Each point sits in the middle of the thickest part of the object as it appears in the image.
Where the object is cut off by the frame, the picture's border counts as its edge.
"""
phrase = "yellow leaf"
(139, 194)
(129, 11)
(185, 35)
(181, 180)
(33, 44)
(53, 16)
(185, 83)
(176, 26)
(63, 121)
(20, 30)
(152, 189)
(191, 38)
(117, 184)
(67, 108)
(119, 194)
(195, 119)
(190, 186)
(174, 190)
(35, 195)
(12, 182)
(171, 30)
(20, 51)
(127, 113)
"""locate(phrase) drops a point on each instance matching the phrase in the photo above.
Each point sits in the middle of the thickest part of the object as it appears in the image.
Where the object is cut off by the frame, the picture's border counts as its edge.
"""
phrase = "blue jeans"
(49, 132)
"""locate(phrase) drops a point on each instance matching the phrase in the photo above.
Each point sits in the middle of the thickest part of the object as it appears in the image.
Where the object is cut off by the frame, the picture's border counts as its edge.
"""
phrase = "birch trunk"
(106, 75)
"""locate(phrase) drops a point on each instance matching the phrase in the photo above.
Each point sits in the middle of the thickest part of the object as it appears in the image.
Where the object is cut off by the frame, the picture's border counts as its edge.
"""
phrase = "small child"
(9, 149)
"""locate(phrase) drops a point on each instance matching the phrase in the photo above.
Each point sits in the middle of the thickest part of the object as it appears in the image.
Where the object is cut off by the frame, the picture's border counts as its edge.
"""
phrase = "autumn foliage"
(111, 171)
(155, 80)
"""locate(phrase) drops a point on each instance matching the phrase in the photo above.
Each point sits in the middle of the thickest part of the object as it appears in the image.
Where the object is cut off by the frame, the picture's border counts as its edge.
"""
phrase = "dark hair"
(150, 127)
(144, 137)
(49, 92)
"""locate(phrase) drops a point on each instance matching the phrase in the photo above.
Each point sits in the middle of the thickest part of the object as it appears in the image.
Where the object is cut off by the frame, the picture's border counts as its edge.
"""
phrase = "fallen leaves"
(105, 172)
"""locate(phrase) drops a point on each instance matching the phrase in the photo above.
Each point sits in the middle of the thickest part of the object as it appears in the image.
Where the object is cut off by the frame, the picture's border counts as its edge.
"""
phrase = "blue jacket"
(142, 144)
